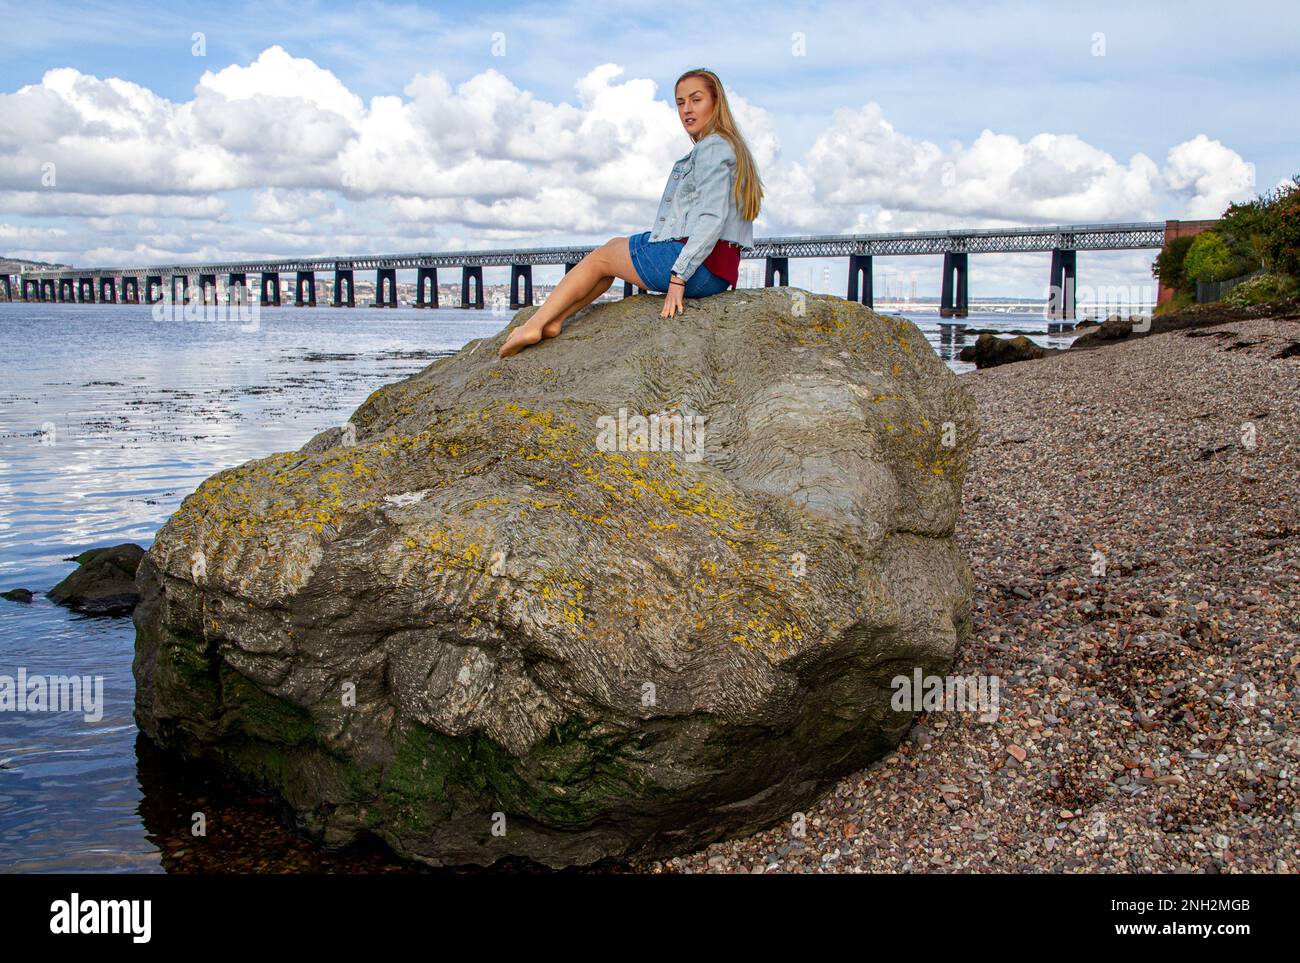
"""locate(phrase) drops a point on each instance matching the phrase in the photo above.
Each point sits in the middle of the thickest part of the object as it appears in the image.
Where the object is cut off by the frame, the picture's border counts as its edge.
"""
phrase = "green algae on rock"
(464, 624)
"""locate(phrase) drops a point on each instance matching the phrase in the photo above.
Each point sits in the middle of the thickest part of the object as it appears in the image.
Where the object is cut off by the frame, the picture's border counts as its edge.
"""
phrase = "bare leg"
(551, 328)
(609, 260)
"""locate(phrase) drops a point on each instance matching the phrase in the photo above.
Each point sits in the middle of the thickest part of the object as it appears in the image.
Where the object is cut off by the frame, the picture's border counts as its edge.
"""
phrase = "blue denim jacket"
(698, 204)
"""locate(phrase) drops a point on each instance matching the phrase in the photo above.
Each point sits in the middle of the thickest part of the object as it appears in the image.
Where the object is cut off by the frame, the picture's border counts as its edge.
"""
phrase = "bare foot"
(520, 338)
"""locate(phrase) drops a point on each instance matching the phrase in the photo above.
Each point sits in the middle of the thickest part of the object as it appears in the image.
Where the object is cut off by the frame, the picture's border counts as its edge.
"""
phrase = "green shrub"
(1209, 259)
(1168, 266)
(1265, 232)
(1266, 287)
(1245, 229)
(1261, 233)
(1282, 241)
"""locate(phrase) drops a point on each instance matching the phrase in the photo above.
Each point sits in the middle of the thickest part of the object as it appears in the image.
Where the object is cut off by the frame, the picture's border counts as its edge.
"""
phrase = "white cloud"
(313, 167)
(277, 204)
(1209, 175)
(53, 202)
(862, 174)
(25, 235)
(277, 75)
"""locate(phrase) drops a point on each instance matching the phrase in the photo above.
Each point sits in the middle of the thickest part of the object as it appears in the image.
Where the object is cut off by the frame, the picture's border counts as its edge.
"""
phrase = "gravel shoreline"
(1147, 714)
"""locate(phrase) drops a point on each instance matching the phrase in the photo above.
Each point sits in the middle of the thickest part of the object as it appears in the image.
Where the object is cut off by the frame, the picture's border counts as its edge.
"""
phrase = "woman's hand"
(673, 301)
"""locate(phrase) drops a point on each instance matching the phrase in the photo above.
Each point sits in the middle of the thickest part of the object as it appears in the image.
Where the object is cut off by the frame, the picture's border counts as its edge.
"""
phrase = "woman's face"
(694, 105)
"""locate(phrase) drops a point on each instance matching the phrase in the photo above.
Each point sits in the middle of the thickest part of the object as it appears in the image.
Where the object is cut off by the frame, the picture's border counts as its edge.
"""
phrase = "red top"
(723, 260)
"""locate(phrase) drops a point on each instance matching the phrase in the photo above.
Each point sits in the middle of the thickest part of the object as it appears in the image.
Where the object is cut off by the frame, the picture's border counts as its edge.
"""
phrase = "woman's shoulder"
(714, 146)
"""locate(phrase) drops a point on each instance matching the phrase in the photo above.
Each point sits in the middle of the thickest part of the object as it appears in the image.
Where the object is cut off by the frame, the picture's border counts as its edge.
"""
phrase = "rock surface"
(463, 624)
(1114, 328)
(103, 583)
(989, 351)
(1155, 703)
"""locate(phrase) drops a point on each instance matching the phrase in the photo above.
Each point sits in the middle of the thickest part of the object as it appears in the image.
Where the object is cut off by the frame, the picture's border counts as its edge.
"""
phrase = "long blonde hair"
(748, 189)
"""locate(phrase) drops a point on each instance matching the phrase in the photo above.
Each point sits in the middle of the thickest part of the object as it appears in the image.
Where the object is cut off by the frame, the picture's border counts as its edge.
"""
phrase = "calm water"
(108, 419)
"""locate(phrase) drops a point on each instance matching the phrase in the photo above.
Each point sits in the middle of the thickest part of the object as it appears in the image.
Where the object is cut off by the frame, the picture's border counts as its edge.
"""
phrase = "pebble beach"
(1132, 518)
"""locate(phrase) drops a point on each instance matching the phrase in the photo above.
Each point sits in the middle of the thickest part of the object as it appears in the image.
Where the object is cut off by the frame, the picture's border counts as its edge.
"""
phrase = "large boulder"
(478, 621)
(103, 582)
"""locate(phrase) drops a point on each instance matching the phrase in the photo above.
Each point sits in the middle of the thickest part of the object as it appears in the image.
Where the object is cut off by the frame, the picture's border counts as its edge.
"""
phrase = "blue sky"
(432, 126)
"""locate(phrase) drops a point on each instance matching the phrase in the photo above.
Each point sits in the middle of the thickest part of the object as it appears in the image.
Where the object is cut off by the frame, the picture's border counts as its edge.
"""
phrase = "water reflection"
(107, 420)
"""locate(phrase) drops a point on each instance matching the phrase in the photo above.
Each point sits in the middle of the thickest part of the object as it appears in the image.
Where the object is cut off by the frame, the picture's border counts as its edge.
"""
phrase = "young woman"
(705, 219)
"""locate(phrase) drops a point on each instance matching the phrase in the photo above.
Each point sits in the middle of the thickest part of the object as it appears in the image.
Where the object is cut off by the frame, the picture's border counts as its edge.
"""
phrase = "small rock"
(104, 582)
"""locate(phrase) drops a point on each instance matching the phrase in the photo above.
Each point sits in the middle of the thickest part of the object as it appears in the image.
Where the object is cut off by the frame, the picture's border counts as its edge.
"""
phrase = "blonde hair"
(748, 189)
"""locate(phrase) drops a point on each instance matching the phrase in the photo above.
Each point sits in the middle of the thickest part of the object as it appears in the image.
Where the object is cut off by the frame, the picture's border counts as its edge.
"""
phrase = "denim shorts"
(654, 262)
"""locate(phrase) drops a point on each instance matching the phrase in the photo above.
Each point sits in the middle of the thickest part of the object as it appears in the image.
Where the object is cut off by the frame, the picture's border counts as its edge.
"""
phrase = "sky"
(202, 132)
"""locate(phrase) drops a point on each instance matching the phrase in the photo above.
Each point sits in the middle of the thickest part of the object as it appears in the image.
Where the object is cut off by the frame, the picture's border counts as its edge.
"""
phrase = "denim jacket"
(698, 204)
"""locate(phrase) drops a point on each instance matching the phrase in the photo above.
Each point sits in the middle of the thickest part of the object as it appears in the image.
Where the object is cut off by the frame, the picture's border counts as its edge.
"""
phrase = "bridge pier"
(774, 266)
(388, 276)
(269, 293)
(32, 285)
(152, 281)
(67, 291)
(953, 298)
(8, 286)
(518, 271)
(471, 273)
(184, 279)
(108, 290)
(206, 282)
(130, 290)
(1061, 286)
(86, 290)
(429, 276)
(860, 264)
(304, 279)
(237, 288)
(344, 276)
